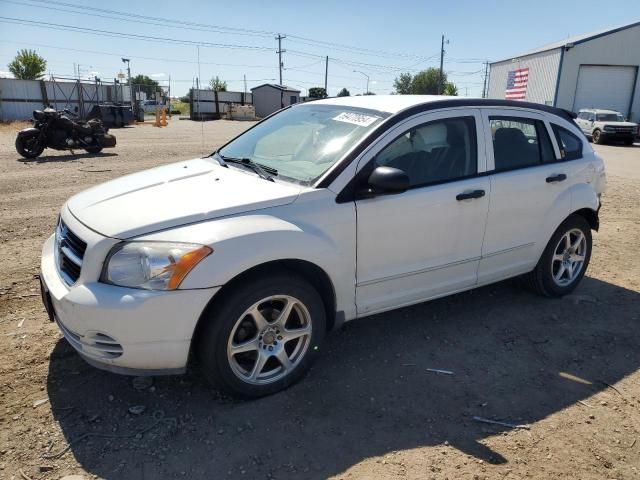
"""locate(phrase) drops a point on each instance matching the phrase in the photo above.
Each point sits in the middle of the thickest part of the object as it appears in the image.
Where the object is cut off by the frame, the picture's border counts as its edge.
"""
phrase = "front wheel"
(262, 337)
(628, 142)
(564, 260)
(28, 146)
(93, 149)
(597, 137)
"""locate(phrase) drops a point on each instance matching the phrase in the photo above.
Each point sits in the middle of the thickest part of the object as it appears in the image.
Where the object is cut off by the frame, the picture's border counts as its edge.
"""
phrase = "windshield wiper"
(262, 170)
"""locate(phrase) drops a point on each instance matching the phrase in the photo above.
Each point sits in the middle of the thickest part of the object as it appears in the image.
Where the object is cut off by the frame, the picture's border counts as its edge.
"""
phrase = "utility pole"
(126, 60)
(326, 73)
(244, 77)
(280, 52)
(441, 81)
(486, 74)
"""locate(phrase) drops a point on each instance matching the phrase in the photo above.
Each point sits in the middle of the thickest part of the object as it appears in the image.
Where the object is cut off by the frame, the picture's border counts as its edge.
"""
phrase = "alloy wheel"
(568, 257)
(269, 339)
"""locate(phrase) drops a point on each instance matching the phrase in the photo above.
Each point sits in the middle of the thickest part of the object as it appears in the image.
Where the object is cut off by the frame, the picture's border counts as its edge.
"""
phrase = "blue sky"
(397, 35)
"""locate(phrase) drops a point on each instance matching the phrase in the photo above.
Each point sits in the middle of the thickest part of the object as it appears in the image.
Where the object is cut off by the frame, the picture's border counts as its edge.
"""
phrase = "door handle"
(556, 178)
(470, 195)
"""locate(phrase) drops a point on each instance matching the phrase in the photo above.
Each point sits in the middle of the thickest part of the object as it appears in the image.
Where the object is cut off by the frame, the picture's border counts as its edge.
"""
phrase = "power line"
(159, 19)
(134, 36)
(173, 23)
(160, 59)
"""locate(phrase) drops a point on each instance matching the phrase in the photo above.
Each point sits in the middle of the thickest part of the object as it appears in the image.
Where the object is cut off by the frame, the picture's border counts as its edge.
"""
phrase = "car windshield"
(610, 117)
(303, 142)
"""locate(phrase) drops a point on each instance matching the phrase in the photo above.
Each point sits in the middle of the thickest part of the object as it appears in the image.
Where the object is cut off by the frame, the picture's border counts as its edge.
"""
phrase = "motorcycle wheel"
(28, 147)
(93, 149)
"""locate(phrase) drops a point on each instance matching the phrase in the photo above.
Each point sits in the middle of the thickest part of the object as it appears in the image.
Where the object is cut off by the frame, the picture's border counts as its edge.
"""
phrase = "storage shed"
(270, 97)
(596, 70)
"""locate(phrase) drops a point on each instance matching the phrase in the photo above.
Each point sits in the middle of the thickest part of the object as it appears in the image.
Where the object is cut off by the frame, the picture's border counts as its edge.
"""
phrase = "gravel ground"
(369, 408)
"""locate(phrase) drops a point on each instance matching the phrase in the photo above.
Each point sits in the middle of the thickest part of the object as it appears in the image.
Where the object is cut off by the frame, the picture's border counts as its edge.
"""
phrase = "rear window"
(570, 145)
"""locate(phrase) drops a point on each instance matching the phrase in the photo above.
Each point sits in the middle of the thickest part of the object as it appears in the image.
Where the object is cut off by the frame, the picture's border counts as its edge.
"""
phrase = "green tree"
(402, 84)
(423, 83)
(217, 85)
(28, 65)
(147, 85)
(344, 93)
(450, 89)
(317, 92)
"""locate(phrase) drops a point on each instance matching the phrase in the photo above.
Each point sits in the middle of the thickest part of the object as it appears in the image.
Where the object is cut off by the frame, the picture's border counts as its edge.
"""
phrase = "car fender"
(242, 242)
(577, 197)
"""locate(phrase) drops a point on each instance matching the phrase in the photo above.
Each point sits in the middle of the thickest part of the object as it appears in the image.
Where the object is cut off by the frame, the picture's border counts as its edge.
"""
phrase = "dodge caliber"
(321, 213)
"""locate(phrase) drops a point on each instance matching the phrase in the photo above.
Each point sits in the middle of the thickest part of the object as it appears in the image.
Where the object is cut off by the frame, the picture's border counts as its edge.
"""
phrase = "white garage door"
(605, 87)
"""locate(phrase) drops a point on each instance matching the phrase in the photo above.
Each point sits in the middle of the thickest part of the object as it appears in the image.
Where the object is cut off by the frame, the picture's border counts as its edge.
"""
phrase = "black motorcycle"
(59, 131)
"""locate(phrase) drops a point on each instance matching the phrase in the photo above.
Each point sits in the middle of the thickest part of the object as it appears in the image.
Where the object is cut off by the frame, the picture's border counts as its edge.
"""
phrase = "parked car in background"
(247, 258)
(606, 125)
(150, 106)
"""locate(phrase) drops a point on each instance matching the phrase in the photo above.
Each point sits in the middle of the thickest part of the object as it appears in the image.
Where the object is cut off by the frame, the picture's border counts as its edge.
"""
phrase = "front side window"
(610, 117)
(519, 143)
(570, 145)
(436, 152)
(303, 142)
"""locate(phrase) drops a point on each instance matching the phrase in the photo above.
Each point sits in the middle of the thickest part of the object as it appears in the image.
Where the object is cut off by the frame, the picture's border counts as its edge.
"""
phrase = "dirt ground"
(369, 408)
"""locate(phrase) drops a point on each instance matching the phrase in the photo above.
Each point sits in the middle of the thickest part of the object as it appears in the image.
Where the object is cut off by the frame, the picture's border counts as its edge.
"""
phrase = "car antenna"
(200, 111)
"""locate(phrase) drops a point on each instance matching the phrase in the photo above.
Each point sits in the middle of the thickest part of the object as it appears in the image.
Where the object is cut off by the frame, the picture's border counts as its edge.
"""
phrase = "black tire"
(541, 279)
(26, 148)
(220, 322)
(93, 149)
(596, 137)
(628, 142)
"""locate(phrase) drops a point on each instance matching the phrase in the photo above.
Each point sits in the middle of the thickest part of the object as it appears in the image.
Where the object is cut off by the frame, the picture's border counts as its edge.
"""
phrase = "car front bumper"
(617, 136)
(124, 330)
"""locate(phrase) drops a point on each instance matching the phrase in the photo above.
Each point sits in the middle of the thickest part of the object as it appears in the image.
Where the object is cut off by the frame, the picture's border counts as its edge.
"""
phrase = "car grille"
(623, 129)
(70, 251)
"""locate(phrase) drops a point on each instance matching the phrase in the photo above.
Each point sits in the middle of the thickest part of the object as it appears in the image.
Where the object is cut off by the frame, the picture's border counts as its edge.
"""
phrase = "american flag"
(517, 84)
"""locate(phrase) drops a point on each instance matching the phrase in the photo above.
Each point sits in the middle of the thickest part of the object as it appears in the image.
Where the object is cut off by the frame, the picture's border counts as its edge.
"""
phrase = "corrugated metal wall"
(268, 99)
(18, 98)
(619, 48)
(543, 73)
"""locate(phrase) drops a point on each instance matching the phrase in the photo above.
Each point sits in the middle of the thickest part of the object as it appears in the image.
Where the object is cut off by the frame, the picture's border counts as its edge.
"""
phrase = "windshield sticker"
(356, 118)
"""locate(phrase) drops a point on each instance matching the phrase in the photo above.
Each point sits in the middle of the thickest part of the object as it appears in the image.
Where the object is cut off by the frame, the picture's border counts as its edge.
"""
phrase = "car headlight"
(152, 265)
(608, 128)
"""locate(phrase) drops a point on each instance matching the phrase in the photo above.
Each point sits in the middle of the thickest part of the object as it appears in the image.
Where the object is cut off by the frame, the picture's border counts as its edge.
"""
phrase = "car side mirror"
(387, 180)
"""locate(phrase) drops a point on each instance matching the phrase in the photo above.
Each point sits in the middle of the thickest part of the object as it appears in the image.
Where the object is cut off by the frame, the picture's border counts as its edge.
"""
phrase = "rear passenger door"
(528, 191)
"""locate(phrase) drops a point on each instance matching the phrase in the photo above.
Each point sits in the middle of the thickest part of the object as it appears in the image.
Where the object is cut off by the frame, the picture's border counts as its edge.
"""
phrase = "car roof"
(394, 104)
(383, 103)
(599, 110)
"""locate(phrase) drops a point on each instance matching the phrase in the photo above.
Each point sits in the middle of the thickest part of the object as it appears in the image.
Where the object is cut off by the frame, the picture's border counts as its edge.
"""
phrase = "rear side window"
(570, 144)
(519, 143)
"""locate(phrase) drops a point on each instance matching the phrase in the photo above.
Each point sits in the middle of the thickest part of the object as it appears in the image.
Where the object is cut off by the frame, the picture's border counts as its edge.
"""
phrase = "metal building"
(598, 70)
(269, 98)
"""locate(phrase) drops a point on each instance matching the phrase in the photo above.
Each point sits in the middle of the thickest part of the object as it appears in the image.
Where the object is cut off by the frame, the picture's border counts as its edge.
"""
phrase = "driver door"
(425, 242)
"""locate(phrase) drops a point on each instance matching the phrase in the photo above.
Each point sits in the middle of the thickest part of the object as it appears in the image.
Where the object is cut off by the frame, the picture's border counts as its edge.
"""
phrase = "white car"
(605, 125)
(322, 213)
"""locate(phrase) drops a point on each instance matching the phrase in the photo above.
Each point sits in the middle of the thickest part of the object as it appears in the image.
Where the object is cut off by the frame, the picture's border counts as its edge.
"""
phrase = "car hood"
(619, 124)
(174, 195)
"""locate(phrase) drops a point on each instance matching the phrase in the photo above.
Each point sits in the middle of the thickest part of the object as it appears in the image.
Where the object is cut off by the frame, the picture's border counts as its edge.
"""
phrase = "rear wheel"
(564, 260)
(93, 149)
(28, 146)
(263, 337)
(628, 141)
(597, 137)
